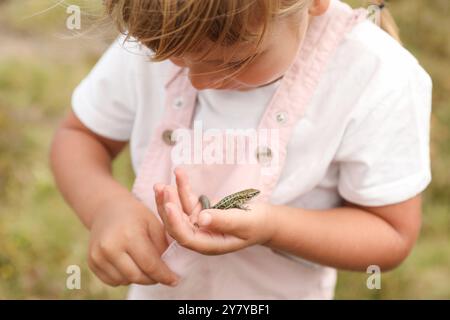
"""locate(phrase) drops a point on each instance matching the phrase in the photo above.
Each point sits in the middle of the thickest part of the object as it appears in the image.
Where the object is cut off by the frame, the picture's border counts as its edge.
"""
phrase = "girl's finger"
(233, 221)
(158, 236)
(179, 228)
(147, 258)
(159, 200)
(131, 271)
(106, 269)
(104, 277)
(171, 195)
(189, 200)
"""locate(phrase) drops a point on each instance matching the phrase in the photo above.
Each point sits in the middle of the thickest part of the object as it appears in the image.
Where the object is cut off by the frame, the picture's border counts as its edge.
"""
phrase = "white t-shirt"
(364, 136)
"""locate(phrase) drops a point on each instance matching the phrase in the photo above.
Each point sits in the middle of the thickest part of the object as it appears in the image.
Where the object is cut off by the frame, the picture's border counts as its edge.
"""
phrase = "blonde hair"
(175, 27)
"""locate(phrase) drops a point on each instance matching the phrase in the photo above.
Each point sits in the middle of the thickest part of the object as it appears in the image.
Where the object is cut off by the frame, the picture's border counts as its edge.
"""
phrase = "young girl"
(341, 113)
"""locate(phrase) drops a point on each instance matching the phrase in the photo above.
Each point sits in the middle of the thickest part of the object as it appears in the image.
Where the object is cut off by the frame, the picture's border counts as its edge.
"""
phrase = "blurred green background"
(41, 62)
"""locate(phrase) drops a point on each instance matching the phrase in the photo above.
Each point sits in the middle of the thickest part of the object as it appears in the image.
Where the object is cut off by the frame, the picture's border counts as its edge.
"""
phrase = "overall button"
(178, 103)
(264, 155)
(281, 117)
(168, 137)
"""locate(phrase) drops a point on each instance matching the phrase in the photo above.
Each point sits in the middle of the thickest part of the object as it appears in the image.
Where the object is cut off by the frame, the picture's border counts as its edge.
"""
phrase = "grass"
(39, 234)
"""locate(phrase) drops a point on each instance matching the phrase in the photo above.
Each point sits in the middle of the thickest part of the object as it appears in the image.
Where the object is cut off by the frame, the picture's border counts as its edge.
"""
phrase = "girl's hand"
(126, 244)
(210, 231)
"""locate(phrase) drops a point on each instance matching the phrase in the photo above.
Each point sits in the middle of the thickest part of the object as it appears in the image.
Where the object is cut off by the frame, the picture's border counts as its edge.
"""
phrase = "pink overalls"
(256, 272)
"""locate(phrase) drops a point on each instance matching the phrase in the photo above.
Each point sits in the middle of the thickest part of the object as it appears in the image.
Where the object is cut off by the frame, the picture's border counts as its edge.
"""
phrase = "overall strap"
(289, 102)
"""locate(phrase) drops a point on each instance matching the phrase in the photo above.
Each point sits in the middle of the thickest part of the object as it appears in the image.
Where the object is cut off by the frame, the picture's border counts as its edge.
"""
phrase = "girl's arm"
(351, 237)
(81, 164)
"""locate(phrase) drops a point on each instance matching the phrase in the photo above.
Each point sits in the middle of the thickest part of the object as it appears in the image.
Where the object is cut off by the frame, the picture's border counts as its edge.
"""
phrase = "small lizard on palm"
(233, 201)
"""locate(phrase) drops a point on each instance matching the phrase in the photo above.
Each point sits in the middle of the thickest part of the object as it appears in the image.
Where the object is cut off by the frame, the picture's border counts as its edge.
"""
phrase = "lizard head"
(252, 193)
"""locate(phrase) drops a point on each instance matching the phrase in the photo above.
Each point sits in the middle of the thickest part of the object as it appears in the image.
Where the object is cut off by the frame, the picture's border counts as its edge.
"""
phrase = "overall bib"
(256, 272)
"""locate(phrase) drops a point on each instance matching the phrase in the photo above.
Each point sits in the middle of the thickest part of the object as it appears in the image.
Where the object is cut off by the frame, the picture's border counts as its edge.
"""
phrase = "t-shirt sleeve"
(104, 100)
(384, 155)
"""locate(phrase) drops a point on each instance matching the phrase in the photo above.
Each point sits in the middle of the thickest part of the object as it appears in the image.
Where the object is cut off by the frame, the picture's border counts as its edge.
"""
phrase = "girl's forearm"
(82, 170)
(345, 238)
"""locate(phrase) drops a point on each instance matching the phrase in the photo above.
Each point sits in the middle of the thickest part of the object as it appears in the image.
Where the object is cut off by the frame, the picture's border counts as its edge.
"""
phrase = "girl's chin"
(247, 87)
(230, 87)
(238, 87)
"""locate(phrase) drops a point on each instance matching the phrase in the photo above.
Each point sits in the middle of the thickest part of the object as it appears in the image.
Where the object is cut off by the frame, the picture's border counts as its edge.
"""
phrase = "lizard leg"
(242, 207)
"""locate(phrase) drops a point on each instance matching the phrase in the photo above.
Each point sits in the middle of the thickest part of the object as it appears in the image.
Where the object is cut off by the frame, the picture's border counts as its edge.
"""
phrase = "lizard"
(235, 200)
